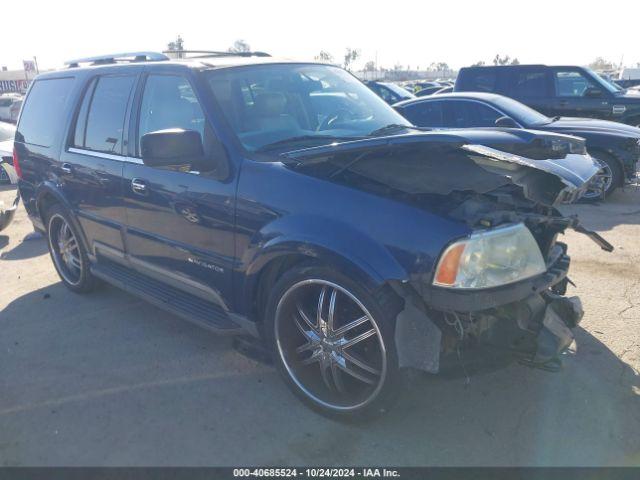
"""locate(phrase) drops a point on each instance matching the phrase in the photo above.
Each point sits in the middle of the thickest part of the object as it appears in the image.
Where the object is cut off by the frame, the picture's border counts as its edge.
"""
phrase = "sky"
(409, 33)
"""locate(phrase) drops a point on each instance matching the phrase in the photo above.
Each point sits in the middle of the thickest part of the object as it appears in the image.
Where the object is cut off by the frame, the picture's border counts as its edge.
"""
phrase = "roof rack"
(213, 53)
(116, 57)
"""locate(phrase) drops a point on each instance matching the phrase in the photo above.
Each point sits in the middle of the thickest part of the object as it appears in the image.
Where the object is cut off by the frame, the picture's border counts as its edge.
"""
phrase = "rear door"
(180, 220)
(533, 87)
(425, 114)
(469, 114)
(570, 87)
(91, 166)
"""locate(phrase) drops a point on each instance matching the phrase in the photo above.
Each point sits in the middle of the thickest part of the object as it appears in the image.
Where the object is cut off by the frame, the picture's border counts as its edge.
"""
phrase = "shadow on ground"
(106, 379)
(27, 248)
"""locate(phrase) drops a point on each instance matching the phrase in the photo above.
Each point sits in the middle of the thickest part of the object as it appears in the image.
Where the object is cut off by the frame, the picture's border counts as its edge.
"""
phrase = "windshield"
(6, 132)
(608, 86)
(610, 82)
(314, 104)
(521, 113)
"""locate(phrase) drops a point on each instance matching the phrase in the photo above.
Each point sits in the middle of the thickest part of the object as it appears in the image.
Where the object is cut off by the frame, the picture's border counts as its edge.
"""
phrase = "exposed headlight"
(490, 258)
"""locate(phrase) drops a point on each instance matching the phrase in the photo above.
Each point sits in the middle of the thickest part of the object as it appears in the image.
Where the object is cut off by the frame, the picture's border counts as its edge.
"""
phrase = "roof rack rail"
(115, 57)
(213, 53)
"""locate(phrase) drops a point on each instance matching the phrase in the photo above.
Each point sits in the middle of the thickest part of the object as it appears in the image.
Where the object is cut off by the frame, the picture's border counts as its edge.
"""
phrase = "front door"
(180, 219)
(577, 95)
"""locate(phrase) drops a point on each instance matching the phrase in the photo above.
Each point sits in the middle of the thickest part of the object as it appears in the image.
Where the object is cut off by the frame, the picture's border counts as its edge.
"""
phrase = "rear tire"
(67, 251)
(343, 362)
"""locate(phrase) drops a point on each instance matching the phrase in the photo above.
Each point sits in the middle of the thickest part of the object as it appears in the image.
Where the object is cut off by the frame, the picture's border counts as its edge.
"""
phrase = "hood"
(480, 161)
(592, 125)
(629, 94)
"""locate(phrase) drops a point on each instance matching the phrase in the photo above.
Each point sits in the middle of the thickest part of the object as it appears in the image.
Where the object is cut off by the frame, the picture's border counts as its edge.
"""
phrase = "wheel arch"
(601, 150)
(273, 260)
(47, 195)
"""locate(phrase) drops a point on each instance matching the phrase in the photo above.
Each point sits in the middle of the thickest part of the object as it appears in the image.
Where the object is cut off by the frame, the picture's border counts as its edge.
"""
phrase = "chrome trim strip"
(108, 156)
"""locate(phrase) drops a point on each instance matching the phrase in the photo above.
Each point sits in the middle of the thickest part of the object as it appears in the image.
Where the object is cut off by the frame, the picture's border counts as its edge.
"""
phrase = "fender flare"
(352, 252)
(49, 188)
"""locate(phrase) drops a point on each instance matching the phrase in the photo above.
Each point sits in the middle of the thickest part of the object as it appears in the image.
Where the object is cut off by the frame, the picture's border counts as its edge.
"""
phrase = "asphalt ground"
(107, 379)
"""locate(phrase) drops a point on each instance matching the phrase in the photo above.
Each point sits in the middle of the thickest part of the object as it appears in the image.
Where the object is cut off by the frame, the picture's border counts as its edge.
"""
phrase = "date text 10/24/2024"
(316, 473)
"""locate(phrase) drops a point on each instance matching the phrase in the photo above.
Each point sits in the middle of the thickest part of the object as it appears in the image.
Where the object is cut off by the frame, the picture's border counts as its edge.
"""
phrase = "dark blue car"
(288, 202)
(614, 145)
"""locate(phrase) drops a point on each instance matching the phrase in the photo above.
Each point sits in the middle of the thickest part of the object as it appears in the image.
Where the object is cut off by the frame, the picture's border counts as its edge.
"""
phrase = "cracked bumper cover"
(535, 310)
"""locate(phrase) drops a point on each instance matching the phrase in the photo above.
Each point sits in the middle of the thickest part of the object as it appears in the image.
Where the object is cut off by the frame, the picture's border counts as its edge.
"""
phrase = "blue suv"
(286, 201)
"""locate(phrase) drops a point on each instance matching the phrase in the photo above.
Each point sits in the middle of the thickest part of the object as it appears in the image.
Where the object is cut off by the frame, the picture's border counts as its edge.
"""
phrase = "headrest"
(270, 104)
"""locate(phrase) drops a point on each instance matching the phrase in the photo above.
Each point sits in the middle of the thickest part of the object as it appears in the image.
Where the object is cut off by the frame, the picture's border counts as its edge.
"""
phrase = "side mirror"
(592, 92)
(506, 122)
(173, 146)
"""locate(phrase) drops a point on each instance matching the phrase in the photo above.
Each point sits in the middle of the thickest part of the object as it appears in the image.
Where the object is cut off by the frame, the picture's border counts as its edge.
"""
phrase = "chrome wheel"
(65, 249)
(602, 181)
(330, 345)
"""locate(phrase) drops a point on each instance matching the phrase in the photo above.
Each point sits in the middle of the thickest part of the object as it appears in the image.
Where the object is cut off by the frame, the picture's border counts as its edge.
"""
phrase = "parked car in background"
(10, 105)
(351, 242)
(615, 146)
(447, 89)
(629, 77)
(425, 92)
(555, 91)
(8, 174)
(389, 92)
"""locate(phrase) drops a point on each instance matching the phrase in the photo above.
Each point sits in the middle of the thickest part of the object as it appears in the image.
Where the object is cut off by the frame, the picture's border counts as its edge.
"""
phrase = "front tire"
(333, 342)
(67, 251)
(611, 176)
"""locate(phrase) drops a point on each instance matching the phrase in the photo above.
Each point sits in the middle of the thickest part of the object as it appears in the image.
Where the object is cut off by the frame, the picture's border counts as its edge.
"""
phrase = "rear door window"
(529, 84)
(482, 81)
(472, 114)
(425, 114)
(43, 114)
(105, 106)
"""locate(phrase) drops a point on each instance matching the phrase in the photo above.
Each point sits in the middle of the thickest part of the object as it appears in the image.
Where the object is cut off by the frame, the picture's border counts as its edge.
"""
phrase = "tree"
(438, 67)
(601, 64)
(350, 56)
(370, 66)
(240, 46)
(176, 46)
(479, 64)
(506, 60)
(324, 57)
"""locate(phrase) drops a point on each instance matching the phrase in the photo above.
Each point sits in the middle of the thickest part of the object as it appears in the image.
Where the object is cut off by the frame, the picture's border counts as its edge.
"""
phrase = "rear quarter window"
(44, 111)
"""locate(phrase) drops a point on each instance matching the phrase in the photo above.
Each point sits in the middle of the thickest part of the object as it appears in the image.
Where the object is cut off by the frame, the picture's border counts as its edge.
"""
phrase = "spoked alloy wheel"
(604, 178)
(330, 345)
(65, 249)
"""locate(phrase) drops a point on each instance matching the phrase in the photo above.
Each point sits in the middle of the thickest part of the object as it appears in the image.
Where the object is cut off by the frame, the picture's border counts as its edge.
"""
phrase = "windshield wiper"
(396, 126)
(303, 138)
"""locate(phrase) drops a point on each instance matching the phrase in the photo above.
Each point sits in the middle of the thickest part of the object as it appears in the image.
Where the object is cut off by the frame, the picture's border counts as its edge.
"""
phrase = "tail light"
(16, 163)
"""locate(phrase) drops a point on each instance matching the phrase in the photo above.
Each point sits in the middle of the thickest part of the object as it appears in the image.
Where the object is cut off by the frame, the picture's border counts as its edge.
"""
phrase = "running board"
(206, 314)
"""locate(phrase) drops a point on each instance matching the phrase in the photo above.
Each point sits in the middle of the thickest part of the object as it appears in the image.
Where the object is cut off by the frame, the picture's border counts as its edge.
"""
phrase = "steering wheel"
(337, 115)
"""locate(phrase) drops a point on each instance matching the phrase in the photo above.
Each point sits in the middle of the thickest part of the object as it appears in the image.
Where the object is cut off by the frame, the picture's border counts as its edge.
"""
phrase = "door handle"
(66, 167)
(564, 103)
(138, 186)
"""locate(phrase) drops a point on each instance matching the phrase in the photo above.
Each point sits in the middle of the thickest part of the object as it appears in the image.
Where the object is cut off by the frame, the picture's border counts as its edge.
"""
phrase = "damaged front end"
(501, 288)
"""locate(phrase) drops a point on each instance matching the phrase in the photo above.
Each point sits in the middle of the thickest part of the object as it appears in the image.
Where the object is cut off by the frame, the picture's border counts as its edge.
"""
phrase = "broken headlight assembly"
(490, 258)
